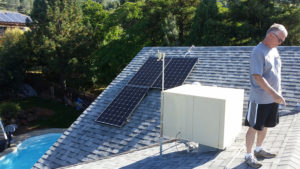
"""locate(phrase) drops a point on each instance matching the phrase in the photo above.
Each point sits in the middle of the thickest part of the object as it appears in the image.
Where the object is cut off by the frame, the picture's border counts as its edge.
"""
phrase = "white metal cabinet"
(211, 116)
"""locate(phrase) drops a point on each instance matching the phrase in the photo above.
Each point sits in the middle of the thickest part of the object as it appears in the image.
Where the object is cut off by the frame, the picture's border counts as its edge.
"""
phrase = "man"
(265, 92)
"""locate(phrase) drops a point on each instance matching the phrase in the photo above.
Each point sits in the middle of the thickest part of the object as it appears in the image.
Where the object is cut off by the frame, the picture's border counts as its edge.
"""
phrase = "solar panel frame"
(119, 111)
(149, 72)
(176, 72)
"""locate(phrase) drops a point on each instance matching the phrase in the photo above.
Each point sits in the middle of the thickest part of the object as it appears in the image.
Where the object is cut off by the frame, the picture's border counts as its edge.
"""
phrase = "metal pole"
(162, 100)
(162, 56)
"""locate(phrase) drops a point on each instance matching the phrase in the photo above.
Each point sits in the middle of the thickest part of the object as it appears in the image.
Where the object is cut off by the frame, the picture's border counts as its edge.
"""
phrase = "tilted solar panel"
(16, 17)
(118, 112)
(149, 72)
(6, 18)
(1, 18)
(21, 18)
(176, 72)
(13, 17)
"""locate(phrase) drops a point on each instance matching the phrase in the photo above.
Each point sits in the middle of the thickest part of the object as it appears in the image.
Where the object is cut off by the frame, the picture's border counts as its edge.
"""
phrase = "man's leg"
(259, 152)
(249, 158)
(250, 137)
(261, 137)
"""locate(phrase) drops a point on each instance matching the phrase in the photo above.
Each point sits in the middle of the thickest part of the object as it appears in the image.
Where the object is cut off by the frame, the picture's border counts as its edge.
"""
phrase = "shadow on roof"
(179, 159)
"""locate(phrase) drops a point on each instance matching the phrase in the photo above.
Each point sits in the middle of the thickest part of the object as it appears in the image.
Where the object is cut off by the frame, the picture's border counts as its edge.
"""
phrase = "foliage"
(290, 16)
(9, 110)
(110, 4)
(121, 42)
(12, 37)
(170, 31)
(184, 11)
(13, 59)
(95, 16)
(62, 42)
(131, 27)
(62, 117)
(252, 18)
(86, 45)
(22, 6)
(208, 27)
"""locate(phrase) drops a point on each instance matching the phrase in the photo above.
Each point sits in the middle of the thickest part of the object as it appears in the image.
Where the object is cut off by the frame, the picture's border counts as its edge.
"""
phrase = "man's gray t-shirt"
(266, 62)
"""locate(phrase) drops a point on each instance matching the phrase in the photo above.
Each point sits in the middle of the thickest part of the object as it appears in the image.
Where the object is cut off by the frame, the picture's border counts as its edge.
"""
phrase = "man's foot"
(252, 162)
(263, 154)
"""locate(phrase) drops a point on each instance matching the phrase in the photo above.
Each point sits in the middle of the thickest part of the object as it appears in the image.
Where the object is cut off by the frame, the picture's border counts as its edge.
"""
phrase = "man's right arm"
(266, 87)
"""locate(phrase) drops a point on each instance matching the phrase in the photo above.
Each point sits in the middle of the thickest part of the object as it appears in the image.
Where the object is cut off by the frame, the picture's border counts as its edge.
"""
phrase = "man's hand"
(278, 99)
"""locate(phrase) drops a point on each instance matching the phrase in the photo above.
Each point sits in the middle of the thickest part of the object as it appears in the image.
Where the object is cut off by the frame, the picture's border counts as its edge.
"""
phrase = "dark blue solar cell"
(149, 72)
(118, 112)
(176, 72)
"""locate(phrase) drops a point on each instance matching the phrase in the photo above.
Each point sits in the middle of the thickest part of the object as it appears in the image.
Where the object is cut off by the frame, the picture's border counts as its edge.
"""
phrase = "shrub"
(9, 110)
(12, 37)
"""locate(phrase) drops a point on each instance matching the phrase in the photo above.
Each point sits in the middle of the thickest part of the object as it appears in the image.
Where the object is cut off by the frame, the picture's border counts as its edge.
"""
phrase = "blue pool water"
(28, 152)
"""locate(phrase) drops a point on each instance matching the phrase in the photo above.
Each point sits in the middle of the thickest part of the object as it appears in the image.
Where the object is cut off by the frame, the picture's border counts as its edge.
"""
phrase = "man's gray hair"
(276, 28)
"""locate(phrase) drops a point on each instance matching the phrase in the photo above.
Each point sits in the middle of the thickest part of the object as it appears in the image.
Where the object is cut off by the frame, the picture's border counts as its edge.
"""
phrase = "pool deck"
(19, 138)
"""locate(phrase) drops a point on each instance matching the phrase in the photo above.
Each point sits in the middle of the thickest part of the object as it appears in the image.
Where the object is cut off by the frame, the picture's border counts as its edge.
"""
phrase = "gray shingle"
(87, 140)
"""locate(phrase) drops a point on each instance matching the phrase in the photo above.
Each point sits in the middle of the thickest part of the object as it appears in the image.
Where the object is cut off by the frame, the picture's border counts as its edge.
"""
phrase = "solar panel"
(120, 109)
(6, 18)
(2, 18)
(176, 72)
(13, 17)
(148, 73)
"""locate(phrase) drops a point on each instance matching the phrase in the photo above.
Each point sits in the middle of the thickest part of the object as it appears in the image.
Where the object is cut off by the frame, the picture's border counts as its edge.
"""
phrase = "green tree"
(251, 19)
(3, 4)
(95, 16)
(184, 12)
(131, 27)
(13, 4)
(121, 42)
(13, 60)
(25, 6)
(290, 17)
(100, 34)
(209, 27)
(170, 31)
(110, 4)
(61, 42)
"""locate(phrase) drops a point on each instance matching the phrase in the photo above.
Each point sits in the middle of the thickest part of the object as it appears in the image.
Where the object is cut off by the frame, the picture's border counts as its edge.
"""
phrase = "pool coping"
(19, 138)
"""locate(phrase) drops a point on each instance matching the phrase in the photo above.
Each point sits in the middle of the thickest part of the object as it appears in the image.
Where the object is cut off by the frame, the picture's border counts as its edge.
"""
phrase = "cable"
(189, 51)
(177, 139)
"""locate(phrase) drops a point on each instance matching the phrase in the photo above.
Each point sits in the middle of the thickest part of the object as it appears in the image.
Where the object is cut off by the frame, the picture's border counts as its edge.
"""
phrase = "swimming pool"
(28, 152)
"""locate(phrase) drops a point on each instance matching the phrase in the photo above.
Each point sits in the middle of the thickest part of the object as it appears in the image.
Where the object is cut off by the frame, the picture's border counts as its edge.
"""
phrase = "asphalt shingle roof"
(87, 141)
(282, 140)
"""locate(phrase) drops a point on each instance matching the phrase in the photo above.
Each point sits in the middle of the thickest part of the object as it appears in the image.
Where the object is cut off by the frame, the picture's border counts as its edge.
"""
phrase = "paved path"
(18, 139)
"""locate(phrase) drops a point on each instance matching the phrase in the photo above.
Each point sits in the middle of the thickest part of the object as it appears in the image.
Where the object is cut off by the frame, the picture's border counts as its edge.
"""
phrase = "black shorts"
(262, 115)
